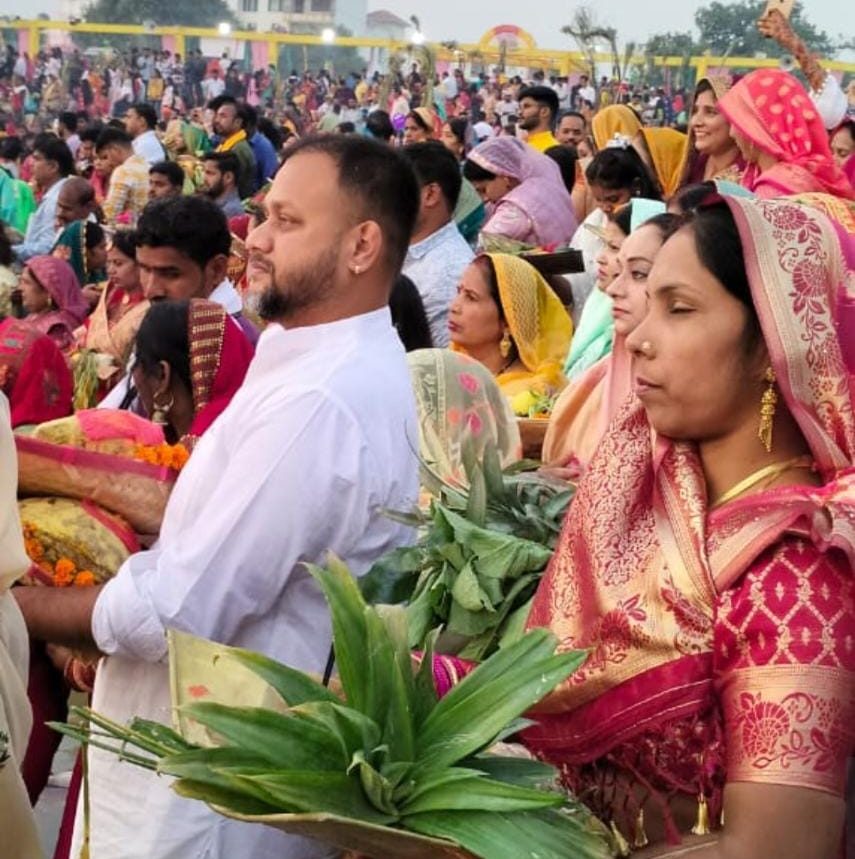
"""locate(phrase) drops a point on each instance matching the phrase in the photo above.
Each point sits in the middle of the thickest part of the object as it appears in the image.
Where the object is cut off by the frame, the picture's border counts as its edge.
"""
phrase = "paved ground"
(52, 801)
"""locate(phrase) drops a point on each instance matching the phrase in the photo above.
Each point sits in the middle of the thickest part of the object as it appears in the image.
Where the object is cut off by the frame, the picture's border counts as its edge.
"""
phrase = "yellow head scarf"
(667, 148)
(616, 119)
(540, 326)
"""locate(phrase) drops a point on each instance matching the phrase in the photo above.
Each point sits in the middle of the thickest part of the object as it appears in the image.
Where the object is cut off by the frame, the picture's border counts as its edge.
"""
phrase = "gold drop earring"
(768, 404)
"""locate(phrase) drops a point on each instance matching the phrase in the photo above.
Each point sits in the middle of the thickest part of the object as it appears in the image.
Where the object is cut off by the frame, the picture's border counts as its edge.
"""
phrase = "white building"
(300, 15)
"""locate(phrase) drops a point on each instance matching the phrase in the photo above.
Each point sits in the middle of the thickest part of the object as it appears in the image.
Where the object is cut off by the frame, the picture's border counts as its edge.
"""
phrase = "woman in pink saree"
(707, 566)
(780, 133)
(530, 203)
(52, 297)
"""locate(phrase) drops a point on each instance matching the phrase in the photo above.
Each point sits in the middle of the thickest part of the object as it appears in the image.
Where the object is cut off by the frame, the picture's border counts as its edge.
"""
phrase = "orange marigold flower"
(65, 567)
(84, 579)
(62, 579)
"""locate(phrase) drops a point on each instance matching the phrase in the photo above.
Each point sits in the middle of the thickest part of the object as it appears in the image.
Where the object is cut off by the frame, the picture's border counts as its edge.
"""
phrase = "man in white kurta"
(311, 450)
(18, 835)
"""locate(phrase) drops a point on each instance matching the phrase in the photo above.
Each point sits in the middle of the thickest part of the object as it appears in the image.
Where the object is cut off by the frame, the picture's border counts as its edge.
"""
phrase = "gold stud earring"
(768, 403)
(505, 344)
(160, 415)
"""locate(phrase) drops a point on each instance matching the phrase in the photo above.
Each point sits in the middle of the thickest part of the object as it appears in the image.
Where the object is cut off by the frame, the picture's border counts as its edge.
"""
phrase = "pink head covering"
(772, 110)
(58, 279)
(541, 193)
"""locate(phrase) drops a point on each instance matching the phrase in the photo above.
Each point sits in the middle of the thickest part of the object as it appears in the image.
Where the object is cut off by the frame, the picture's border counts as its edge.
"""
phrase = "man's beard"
(298, 289)
(215, 191)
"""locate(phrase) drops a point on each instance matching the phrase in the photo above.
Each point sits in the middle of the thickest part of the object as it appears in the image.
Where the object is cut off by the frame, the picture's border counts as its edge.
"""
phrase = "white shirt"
(149, 147)
(302, 462)
(435, 265)
(212, 87)
(41, 231)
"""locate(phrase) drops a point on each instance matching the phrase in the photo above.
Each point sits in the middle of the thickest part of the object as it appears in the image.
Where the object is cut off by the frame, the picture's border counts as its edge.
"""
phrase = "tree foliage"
(730, 28)
(672, 45)
(164, 13)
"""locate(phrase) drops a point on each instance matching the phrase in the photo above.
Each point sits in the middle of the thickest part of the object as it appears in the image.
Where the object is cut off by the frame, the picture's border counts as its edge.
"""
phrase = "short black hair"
(408, 315)
(11, 148)
(171, 170)
(145, 112)
(574, 113)
(163, 335)
(249, 115)
(346, 128)
(194, 226)
(125, 241)
(214, 103)
(432, 162)
(378, 179)
(91, 135)
(616, 168)
(565, 157)
(54, 149)
(68, 120)
(543, 95)
(227, 162)
(113, 137)
(379, 125)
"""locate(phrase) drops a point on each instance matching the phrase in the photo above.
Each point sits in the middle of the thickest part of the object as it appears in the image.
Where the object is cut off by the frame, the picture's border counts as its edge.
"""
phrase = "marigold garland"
(64, 571)
(172, 456)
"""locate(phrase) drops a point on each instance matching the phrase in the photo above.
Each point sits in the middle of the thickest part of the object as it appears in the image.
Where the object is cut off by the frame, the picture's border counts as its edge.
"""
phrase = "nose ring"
(646, 347)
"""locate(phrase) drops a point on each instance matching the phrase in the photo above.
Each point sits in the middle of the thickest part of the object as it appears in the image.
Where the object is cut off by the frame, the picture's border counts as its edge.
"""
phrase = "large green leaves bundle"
(389, 770)
(481, 553)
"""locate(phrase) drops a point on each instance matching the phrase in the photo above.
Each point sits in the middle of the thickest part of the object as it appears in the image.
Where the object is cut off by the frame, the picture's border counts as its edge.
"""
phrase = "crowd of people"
(255, 266)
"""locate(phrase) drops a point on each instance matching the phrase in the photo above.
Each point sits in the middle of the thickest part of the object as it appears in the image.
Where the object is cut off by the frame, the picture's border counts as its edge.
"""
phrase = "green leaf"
(480, 794)
(354, 730)
(282, 739)
(420, 617)
(514, 627)
(347, 608)
(294, 687)
(377, 787)
(316, 792)
(161, 734)
(392, 579)
(223, 797)
(424, 694)
(389, 699)
(493, 473)
(547, 834)
(521, 771)
(467, 591)
(496, 692)
(476, 506)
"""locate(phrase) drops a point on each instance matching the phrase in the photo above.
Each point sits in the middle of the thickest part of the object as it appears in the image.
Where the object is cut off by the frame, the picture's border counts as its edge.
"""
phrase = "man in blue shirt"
(266, 160)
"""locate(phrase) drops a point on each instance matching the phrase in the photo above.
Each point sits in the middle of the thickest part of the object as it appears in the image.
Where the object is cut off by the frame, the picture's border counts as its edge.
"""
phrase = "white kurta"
(18, 836)
(319, 439)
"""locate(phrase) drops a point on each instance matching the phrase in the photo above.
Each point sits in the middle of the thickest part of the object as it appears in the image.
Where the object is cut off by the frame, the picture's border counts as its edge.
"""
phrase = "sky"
(466, 21)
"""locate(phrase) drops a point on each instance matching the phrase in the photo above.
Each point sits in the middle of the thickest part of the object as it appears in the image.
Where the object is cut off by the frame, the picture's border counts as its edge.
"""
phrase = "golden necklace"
(768, 473)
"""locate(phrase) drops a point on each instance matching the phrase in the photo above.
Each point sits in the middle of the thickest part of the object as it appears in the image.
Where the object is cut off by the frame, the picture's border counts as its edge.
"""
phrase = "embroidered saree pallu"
(115, 460)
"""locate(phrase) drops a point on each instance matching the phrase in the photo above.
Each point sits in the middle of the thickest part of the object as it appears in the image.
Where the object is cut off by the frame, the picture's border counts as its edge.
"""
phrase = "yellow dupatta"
(616, 119)
(667, 148)
(540, 327)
